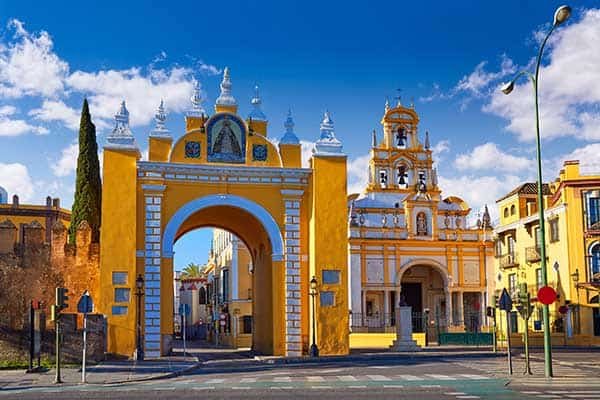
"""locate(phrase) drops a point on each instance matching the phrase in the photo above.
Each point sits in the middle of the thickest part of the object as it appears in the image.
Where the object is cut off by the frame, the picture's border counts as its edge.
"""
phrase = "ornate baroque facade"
(408, 244)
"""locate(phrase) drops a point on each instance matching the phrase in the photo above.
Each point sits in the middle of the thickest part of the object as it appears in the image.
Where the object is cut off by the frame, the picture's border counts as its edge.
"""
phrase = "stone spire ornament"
(328, 144)
(121, 136)
(374, 139)
(226, 98)
(257, 114)
(160, 130)
(427, 144)
(387, 105)
(289, 137)
(487, 219)
(196, 100)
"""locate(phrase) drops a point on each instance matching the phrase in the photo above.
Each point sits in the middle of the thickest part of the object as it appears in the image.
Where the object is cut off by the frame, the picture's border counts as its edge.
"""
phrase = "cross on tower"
(399, 96)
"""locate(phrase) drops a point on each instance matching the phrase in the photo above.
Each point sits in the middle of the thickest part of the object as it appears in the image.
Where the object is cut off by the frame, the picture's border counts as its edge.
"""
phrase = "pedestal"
(404, 340)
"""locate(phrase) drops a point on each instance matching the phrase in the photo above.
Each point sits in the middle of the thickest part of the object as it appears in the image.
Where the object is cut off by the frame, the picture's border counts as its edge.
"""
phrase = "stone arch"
(256, 210)
(423, 262)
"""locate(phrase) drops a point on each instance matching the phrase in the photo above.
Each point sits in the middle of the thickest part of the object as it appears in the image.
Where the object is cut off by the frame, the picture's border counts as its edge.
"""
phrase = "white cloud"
(141, 90)
(16, 180)
(440, 148)
(489, 157)
(17, 127)
(208, 69)
(358, 173)
(6, 111)
(478, 81)
(479, 191)
(56, 110)
(569, 87)
(28, 66)
(67, 163)
(588, 157)
(307, 151)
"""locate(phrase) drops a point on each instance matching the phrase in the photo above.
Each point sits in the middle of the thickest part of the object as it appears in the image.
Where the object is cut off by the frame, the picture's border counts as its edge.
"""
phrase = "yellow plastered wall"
(291, 155)
(159, 149)
(328, 249)
(118, 245)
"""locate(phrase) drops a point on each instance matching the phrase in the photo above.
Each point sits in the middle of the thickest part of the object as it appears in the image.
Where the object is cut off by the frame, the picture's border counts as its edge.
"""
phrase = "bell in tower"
(402, 177)
(401, 137)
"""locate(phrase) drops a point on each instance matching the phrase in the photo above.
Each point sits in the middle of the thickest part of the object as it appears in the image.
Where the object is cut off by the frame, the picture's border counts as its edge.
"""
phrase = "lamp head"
(575, 276)
(508, 87)
(139, 281)
(313, 283)
(561, 14)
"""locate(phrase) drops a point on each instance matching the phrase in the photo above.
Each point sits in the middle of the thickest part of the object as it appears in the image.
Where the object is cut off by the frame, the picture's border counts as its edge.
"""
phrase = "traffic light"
(61, 298)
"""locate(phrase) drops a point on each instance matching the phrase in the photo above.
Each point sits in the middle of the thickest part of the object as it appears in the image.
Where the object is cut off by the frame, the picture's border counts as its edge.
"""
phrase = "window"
(512, 284)
(538, 278)
(327, 298)
(511, 245)
(225, 280)
(202, 299)
(513, 210)
(331, 276)
(119, 278)
(119, 310)
(595, 263)
(505, 212)
(554, 230)
(121, 295)
(594, 211)
(498, 247)
(383, 178)
(247, 324)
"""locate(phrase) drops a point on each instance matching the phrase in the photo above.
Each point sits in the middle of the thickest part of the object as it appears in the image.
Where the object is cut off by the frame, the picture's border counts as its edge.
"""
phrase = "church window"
(513, 210)
(595, 263)
(402, 177)
(506, 212)
(121, 295)
(383, 178)
(421, 224)
(327, 298)
(119, 310)
(422, 181)
(554, 230)
(331, 276)
(401, 137)
(119, 278)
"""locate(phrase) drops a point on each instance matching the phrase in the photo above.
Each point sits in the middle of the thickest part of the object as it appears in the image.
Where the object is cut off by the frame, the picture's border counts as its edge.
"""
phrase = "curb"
(167, 375)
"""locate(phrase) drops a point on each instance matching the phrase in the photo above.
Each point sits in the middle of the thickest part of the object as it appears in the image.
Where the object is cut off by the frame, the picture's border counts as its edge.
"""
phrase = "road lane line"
(315, 378)
(211, 381)
(282, 379)
(410, 377)
(378, 378)
(347, 378)
(441, 377)
(248, 380)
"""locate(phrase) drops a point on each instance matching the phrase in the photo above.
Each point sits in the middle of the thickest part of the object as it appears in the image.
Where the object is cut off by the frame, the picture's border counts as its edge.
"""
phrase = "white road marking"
(430, 386)
(357, 386)
(586, 396)
(410, 377)
(347, 378)
(320, 387)
(467, 397)
(454, 394)
(441, 377)
(315, 378)
(378, 378)
(211, 381)
(282, 379)
(241, 387)
(248, 380)
(531, 392)
(472, 376)
(393, 386)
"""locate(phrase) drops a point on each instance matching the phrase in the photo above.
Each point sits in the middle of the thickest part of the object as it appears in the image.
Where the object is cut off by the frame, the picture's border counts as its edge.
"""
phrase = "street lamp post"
(314, 349)
(560, 16)
(139, 292)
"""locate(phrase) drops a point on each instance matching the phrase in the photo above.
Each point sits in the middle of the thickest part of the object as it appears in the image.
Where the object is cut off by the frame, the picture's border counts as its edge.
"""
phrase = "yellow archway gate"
(225, 172)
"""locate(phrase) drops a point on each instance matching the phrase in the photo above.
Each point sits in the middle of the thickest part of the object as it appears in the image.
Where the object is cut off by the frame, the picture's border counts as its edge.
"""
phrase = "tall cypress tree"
(88, 188)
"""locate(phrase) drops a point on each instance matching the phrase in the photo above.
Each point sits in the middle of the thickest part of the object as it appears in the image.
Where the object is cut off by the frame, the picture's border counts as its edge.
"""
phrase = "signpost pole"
(184, 318)
(57, 378)
(31, 335)
(494, 337)
(508, 349)
(84, 347)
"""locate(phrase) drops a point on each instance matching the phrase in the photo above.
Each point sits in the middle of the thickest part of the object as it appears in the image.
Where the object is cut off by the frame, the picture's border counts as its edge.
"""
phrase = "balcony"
(509, 260)
(533, 254)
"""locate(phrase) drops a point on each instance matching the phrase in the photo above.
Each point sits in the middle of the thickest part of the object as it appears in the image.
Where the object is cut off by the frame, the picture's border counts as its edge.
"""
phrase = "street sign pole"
(508, 349)
(57, 338)
(494, 334)
(84, 347)
(184, 334)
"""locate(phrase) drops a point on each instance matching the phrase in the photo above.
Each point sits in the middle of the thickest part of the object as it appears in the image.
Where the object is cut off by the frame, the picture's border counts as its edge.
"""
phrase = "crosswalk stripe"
(472, 376)
(211, 381)
(315, 378)
(378, 378)
(248, 380)
(393, 386)
(410, 377)
(357, 386)
(347, 378)
(282, 379)
(441, 377)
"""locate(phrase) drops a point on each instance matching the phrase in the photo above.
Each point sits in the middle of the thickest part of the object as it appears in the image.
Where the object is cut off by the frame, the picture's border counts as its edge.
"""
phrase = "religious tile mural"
(192, 149)
(259, 152)
(226, 139)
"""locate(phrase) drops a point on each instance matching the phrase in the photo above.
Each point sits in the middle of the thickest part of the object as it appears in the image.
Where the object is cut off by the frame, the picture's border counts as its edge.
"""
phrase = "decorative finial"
(427, 144)
(487, 219)
(121, 136)
(387, 104)
(226, 98)
(257, 114)
(289, 137)
(196, 99)
(374, 139)
(412, 103)
(328, 144)
(160, 130)
(399, 97)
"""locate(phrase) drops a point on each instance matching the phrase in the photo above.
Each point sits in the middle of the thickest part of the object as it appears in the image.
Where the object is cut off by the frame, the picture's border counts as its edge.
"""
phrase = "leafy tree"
(88, 187)
(192, 271)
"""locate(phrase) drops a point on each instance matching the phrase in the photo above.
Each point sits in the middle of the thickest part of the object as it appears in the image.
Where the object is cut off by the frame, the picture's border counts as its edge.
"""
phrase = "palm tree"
(191, 271)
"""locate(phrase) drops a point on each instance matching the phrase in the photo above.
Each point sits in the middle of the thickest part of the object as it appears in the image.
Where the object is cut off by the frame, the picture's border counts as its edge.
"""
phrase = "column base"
(404, 345)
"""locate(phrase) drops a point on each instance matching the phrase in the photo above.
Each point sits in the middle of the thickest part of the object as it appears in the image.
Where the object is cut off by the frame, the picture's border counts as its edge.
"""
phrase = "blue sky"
(347, 57)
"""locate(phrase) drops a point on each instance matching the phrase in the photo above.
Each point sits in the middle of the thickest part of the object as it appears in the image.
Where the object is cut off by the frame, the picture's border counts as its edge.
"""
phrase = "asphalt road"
(419, 378)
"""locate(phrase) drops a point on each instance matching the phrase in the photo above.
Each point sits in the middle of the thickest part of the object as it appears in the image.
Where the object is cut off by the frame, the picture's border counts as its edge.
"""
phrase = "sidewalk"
(104, 373)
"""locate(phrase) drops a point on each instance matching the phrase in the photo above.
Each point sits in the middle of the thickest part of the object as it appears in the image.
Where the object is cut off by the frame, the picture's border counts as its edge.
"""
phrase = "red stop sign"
(546, 295)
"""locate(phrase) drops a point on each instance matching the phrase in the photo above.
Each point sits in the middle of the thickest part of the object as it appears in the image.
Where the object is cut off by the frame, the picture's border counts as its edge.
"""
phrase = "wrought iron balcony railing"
(509, 260)
(533, 254)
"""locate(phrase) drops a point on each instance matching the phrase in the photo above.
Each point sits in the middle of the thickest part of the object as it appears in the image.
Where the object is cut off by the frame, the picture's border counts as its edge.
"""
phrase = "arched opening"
(595, 262)
(259, 236)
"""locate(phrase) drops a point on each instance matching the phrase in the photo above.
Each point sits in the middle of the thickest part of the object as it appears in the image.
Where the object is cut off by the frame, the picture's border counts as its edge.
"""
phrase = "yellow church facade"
(225, 172)
(410, 245)
(572, 213)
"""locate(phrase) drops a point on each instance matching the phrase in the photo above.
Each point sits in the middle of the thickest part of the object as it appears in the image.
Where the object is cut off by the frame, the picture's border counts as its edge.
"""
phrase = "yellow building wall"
(159, 149)
(380, 340)
(118, 246)
(328, 249)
